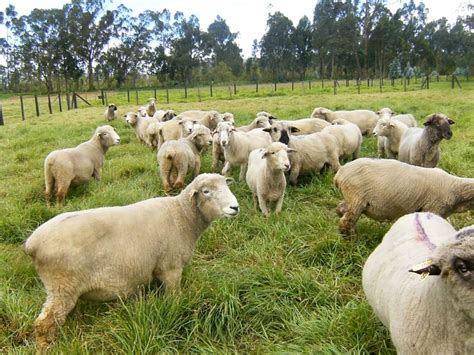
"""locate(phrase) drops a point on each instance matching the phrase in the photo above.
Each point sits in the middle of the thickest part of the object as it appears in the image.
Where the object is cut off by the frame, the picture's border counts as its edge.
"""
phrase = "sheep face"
(454, 264)
(280, 132)
(112, 107)
(262, 122)
(131, 118)
(320, 112)
(201, 136)
(268, 115)
(225, 130)
(212, 196)
(385, 113)
(187, 126)
(107, 135)
(277, 156)
(228, 117)
(441, 123)
(169, 115)
(383, 127)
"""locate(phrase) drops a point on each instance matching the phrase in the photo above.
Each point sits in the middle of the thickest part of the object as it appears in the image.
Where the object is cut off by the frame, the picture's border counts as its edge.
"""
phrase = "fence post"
(358, 85)
(60, 103)
(256, 86)
(185, 91)
(49, 104)
(380, 84)
(128, 95)
(292, 85)
(210, 88)
(136, 96)
(322, 83)
(167, 96)
(235, 89)
(154, 91)
(275, 85)
(106, 99)
(74, 99)
(22, 109)
(309, 85)
(37, 106)
(102, 96)
(404, 84)
(452, 81)
(67, 101)
(335, 92)
(1, 116)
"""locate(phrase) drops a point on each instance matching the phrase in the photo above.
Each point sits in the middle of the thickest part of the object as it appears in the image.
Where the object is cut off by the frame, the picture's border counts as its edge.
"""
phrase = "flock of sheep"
(106, 253)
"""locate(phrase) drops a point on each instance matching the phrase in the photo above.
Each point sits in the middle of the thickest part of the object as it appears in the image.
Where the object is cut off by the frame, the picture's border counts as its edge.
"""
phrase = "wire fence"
(25, 107)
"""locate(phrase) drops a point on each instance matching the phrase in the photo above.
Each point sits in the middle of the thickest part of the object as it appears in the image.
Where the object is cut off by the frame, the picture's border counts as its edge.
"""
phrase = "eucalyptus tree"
(6, 19)
(302, 40)
(276, 47)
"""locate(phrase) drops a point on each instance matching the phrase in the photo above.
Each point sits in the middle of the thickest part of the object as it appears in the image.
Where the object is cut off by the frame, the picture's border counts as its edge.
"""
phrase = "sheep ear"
(192, 195)
(229, 181)
(265, 154)
(450, 121)
(294, 129)
(377, 113)
(429, 120)
(268, 130)
(180, 122)
(391, 124)
(271, 118)
(291, 150)
(426, 268)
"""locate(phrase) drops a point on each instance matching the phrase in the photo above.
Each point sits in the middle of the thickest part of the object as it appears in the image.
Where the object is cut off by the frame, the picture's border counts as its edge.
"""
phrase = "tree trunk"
(359, 70)
(90, 75)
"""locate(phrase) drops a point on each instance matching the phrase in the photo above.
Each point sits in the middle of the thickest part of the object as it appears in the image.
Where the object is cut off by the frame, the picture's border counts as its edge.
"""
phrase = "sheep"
(108, 253)
(151, 107)
(258, 122)
(139, 124)
(349, 137)
(420, 146)
(389, 132)
(428, 314)
(110, 113)
(164, 115)
(76, 166)
(171, 130)
(364, 119)
(313, 151)
(238, 145)
(304, 125)
(266, 175)
(406, 118)
(386, 189)
(228, 117)
(152, 134)
(217, 150)
(210, 119)
(177, 157)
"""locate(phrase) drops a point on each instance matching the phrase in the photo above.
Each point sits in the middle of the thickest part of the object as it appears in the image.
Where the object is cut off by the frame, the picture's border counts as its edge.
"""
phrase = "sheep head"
(280, 132)
(441, 123)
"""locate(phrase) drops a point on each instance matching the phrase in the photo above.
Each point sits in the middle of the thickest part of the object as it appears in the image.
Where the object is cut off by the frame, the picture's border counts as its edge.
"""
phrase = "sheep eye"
(461, 266)
(206, 191)
(274, 129)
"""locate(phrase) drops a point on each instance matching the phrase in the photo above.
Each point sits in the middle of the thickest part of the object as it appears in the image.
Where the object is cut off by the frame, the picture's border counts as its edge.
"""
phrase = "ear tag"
(421, 266)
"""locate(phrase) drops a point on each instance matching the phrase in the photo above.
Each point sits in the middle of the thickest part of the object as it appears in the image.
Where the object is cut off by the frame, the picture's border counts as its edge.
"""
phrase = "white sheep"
(76, 166)
(238, 145)
(151, 107)
(421, 146)
(108, 253)
(258, 122)
(110, 113)
(266, 175)
(434, 313)
(386, 189)
(164, 115)
(210, 119)
(304, 125)
(406, 118)
(172, 130)
(313, 151)
(177, 157)
(389, 132)
(364, 119)
(228, 117)
(349, 137)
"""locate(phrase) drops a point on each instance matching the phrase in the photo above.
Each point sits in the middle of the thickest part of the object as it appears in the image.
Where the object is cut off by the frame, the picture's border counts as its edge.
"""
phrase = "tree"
(276, 47)
(302, 41)
(92, 27)
(394, 69)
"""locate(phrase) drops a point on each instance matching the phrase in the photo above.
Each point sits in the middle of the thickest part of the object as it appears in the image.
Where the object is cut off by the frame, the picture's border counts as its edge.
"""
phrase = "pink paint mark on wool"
(422, 234)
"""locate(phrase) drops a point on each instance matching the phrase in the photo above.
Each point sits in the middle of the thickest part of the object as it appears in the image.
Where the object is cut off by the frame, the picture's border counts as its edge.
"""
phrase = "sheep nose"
(117, 140)
(235, 208)
(209, 142)
(374, 133)
(287, 167)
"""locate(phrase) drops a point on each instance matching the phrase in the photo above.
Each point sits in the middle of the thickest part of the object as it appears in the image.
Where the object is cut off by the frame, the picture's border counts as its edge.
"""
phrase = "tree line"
(86, 45)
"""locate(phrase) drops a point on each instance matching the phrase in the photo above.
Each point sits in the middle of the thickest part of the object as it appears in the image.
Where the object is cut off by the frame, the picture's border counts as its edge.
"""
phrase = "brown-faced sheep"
(76, 166)
(110, 113)
(108, 253)
(386, 189)
(177, 157)
(421, 146)
(434, 313)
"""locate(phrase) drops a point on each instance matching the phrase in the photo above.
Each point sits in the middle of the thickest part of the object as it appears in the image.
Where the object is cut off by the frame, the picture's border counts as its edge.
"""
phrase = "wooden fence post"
(235, 89)
(74, 99)
(49, 104)
(128, 95)
(106, 99)
(210, 88)
(358, 85)
(275, 84)
(1, 116)
(292, 85)
(154, 92)
(22, 109)
(67, 101)
(404, 84)
(102, 96)
(185, 91)
(37, 106)
(322, 83)
(60, 103)
(309, 84)
(256, 86)
(167, 96)
(136, 96)
(335, 91)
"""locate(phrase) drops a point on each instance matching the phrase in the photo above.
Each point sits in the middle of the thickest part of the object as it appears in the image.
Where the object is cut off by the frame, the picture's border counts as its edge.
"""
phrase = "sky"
(247, 17)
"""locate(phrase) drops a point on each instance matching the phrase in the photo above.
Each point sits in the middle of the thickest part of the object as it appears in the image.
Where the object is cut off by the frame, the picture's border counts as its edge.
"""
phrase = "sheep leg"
(255, 202)
(262, 202)
(197, 167)
(381, 147)
(295, 171)
(52, 316)
(243, 171)
(181, 170)
(63, 187)
(356, 154)
(97, 173)
(279, 204)
(349, 219)
(226, 168)
(48, 192)
(334, 161)
(171, 279)
(341, 208)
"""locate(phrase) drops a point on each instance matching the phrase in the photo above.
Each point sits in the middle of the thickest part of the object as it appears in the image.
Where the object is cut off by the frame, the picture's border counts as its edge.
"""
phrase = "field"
(287, 283)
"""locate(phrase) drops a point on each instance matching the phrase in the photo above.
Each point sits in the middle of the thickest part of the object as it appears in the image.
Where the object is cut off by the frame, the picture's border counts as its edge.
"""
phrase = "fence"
(30, 106)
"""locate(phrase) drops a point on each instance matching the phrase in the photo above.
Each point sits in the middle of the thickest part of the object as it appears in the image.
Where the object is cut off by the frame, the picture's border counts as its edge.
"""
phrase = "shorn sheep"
(389, 132)
(406, 118)
(177, 157)
(139, 124)
(434, 313)
(151, 107)
(364, 119)
(313, 151)
(107, 253)
(76, 166)
(386, 189)
(110, 113)
(266, 175)
(349, 137)
(421, 146)
(238, 145)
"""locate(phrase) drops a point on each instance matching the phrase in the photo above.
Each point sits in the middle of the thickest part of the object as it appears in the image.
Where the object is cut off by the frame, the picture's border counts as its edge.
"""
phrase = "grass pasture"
(287, 283)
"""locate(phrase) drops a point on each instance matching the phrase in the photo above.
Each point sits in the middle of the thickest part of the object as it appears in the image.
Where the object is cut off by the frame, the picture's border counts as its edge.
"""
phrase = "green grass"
(286, 283)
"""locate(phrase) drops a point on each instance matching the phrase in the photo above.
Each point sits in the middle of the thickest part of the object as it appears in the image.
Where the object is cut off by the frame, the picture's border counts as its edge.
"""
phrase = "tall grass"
(286, 283)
